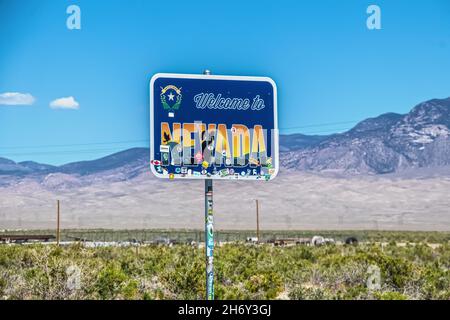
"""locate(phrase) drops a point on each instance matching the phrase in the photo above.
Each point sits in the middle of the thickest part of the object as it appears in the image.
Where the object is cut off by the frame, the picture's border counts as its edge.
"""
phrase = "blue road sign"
(213, 127)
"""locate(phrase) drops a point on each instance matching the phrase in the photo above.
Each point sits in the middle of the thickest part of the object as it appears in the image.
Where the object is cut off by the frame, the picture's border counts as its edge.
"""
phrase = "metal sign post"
(209, 234)
(209, 239)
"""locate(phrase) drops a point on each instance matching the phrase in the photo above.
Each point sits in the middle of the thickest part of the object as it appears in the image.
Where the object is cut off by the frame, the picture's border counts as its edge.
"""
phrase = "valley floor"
(290, 202)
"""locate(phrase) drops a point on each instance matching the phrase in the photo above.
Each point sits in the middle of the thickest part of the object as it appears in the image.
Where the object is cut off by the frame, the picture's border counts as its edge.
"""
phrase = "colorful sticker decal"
(210, 234)
(210, 280)
(209, 251)
(225, 129)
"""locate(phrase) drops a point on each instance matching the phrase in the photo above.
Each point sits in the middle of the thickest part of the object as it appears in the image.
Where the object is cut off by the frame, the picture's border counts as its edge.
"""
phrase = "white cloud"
(65, 103)
(16, 99)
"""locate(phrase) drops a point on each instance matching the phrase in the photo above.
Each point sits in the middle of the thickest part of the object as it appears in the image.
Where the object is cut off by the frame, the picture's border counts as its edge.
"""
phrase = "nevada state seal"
(171, 98)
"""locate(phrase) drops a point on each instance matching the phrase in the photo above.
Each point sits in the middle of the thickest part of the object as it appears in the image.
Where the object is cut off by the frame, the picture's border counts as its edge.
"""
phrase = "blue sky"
(328, 66)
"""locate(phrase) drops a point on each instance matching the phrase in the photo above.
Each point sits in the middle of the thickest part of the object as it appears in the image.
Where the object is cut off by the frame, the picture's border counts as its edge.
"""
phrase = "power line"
(327, 131)
(147, 140)
(85, 151)
(74, 144)
(321, 125)
(60, 152)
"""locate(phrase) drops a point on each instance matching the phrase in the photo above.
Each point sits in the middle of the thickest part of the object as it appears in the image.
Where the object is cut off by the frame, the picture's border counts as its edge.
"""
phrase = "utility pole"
(257, 219)
(57, 223)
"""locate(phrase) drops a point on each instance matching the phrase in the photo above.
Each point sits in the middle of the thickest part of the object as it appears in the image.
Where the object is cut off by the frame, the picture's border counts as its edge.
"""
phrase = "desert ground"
(290, 202)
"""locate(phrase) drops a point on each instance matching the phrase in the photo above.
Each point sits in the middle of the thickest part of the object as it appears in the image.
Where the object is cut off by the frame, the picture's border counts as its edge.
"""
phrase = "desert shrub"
(306, 293)
(414, 271)
(390, 295)
(110, 282)
(184, 275)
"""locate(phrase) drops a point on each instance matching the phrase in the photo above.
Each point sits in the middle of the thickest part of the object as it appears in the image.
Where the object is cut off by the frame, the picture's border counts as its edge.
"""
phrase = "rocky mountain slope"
(386, 144)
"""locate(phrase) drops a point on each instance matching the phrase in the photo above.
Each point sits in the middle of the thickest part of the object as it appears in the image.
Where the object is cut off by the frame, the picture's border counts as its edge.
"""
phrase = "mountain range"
(386, 144)
(390, 172)
(389, 143)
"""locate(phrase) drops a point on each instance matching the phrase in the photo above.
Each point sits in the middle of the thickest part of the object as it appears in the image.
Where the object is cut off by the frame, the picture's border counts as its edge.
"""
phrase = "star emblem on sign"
(171, 97)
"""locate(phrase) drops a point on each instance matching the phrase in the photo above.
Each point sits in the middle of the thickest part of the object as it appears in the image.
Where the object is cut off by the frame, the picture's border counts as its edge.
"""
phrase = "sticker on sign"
(213, 127)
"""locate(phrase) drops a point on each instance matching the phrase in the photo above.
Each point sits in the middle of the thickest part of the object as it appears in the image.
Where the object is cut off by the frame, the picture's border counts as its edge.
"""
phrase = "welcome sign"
(213, 127)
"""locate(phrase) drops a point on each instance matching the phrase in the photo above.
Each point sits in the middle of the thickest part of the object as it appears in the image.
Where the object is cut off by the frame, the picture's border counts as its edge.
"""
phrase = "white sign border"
(213, 77)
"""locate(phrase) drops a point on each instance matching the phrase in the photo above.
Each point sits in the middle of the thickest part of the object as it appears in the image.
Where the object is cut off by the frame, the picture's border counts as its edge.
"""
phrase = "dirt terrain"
(291, 201)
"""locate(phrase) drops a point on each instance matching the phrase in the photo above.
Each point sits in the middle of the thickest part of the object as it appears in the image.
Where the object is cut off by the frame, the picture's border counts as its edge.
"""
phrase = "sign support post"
(257, 221)
(58, 232)
(209, 239)
(209, 233)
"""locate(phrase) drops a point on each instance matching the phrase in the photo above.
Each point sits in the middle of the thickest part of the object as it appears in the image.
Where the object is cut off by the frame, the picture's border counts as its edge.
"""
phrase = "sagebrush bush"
(241, 272)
